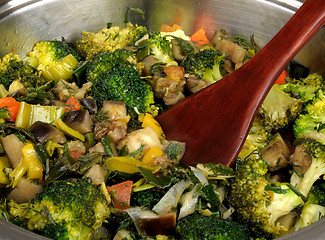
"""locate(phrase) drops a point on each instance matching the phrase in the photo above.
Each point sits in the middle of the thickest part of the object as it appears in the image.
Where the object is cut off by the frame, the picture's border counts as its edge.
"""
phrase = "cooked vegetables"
(82, 156)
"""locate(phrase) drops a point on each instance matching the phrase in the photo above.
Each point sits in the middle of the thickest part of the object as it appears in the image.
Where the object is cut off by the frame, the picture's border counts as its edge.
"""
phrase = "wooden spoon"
(215, 121)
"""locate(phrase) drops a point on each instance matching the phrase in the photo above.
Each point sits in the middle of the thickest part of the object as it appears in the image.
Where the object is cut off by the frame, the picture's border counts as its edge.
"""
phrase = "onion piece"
(189, 202)
(170, 199)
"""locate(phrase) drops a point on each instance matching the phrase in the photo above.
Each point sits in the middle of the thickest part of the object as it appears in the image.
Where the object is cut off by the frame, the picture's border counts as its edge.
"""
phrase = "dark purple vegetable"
(44, 131)
(79, 120)
(90, 104)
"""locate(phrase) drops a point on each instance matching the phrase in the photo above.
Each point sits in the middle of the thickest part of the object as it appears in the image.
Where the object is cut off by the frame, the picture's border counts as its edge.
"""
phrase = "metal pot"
(22, 23)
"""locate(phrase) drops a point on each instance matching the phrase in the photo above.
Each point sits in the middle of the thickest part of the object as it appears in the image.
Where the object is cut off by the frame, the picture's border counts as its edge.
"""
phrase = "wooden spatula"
(215, 121)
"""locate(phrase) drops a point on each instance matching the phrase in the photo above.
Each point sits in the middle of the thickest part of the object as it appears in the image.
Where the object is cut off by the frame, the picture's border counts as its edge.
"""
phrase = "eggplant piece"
(79, 120)
(97, 174)
(25, 191)
(43, 131)
(148, 61)
(300, 160)
(12, 146)
(276, 153)
(161, 225)
(177, 49)
(90, 104)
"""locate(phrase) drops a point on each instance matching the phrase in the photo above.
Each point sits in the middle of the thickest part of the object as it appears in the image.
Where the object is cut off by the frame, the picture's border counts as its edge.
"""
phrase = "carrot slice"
(200, 37)
(122, 196)
(12, 106)
(169, 28)
(76, 154)
(72, 104)
(282, 78)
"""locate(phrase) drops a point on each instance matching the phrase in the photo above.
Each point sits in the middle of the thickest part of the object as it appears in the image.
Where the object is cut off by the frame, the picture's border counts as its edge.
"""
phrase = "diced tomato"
(76, 154)
(174, 72)
(122, 196)
(200, 37)
(12, 106)
(72, 104)
(282, 78)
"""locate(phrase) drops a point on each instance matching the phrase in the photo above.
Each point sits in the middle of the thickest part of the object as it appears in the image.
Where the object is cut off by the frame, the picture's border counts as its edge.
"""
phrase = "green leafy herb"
(133, 10)
(162, 181)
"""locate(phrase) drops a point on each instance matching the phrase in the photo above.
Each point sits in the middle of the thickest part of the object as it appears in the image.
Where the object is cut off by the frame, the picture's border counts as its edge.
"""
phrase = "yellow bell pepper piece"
(150, 121)
(126, 165)
(68, 130)
(4, 163)
(30, 159)
(151, 154)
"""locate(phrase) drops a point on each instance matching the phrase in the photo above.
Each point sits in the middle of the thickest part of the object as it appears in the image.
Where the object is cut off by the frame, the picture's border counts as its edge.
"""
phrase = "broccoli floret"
(107, 61)
(147, 198)
(49, 53)
(317, 167)
(56, 59)
(304, 88)
(123, 83)
(314, 209)
(205, 64)
(257, 138)
(317, 194)
(279, 109)
(13, 68)
(259, 203)
(108, 40)
(311, 123)
(65, 209)
(197, 227)
(159, 47)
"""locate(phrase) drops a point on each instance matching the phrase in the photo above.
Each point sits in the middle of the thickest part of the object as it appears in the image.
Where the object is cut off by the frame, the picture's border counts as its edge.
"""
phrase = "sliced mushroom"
(300, 160)
(44, 131)
(276, 153)
(171, 91)
(236, 53)
(194, 84)
(79, 120)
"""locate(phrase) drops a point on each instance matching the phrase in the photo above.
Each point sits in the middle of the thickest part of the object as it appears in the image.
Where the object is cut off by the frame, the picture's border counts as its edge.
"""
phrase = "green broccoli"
(259, 203)
(279, 109)
(123, 83)
(317, 167)
(311, 123)
(114, 77)
(200, 227)
(314, 209)
(205, 64)
(108, 40)
(13, 68)
(257, 138)
(304, 88)
(65, 209)
(147, 198)
(159, 47)
(107, 61)
(56, 59)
